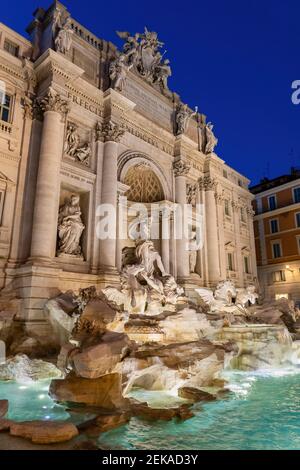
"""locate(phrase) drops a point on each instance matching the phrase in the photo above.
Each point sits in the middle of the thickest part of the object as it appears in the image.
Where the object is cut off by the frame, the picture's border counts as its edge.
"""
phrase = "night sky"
(235, 60)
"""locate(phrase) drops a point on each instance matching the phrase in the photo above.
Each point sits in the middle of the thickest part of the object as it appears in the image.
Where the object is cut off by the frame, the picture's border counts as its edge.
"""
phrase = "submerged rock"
(143, 410)
(44, 432)
(195, 394)
(21, 368)
(104, 392)
(104, 423)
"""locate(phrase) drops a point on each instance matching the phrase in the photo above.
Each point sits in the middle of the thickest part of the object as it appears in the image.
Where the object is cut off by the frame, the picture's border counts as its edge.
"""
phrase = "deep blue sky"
(235, 59)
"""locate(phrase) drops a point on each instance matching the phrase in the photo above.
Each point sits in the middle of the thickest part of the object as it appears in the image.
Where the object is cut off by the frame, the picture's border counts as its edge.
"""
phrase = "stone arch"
(148, 176)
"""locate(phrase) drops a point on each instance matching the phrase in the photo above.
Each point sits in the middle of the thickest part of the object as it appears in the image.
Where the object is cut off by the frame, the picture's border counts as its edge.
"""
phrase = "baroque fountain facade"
(116, 314)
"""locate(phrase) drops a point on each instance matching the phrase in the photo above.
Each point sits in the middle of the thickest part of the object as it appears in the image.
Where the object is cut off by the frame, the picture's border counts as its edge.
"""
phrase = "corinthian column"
(181, 170)
(208, 184)
(44, 232)
(110, 135)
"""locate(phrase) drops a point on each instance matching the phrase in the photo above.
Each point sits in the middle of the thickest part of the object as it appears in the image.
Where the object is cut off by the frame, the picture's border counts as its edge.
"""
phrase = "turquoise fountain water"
(262, 411)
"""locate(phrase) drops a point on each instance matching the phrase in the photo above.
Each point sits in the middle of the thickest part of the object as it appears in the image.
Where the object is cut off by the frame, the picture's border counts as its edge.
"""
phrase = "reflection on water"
(29, 401)
(261, 412)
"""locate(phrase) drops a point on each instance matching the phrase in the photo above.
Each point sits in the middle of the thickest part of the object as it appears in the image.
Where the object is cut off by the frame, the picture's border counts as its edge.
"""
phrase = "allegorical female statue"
(63, 40)
(70, 227)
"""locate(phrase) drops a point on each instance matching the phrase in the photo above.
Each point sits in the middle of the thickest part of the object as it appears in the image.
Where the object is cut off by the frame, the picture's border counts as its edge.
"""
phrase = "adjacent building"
(277, 235)
(82, 124)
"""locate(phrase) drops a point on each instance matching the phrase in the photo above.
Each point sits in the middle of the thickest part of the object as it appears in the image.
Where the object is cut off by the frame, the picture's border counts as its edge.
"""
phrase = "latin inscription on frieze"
(149, 105)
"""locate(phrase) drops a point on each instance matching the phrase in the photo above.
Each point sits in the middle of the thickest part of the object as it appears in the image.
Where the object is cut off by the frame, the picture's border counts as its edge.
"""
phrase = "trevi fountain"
(143, 367)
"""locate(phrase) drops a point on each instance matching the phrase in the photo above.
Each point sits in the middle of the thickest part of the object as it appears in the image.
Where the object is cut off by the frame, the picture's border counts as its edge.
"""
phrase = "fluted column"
(44, 232)
(111, 133)
(236, 208)
(212, 242)
(181, 170)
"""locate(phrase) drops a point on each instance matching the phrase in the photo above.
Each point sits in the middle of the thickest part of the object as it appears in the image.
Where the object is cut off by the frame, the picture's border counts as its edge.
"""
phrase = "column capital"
(52, 101)
(109, 132)
(181, 168)
(207, 183)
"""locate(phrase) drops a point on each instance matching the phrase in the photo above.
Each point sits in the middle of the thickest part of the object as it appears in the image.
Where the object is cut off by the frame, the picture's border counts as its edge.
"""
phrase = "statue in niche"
(182, 118)
(63, 39)
(73, 148)
(70, 227)
(193, 247)
(211, 140)
(118, 72)
(57, 21)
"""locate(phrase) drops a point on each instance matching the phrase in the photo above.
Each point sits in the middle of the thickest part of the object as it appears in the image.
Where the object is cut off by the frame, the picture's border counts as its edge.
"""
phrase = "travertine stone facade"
(82, 118)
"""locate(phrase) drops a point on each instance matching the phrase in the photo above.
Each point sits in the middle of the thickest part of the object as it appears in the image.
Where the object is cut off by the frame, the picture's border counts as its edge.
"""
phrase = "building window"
(225, 174)
(5, 108)
(278, 276)
(272, 202)
(274, 226)
(246, 264)
(226, 206)
(296, 194)
(298, 219)
(276, 249)
(11, 48)
(230, 261)
(240, 183)
(243, 218)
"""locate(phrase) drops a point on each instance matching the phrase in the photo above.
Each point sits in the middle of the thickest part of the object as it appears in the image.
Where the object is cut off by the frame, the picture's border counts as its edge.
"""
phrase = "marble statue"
(63, 39)
(193, 247)
(70, 227)
(72, 139)
(73, 148)
(222, 298)
(246, 296)
(162, 73)
(118, 72)
(83, 153)
(182, 118)
(143, 52)
(211, 140)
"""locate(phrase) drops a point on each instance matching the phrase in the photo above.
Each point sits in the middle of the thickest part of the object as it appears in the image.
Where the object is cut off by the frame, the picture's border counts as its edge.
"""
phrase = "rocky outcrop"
(156, 377)
(99, 359)
(5, 424)
(44, 432)
(3, 408)
(186, 325)
(104, 392)
(21, 368)
(260, 346)
(60, 312)
(182, 355)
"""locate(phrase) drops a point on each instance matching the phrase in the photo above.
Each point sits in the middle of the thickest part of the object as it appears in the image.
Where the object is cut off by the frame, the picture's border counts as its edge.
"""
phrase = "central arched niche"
(144, 184)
